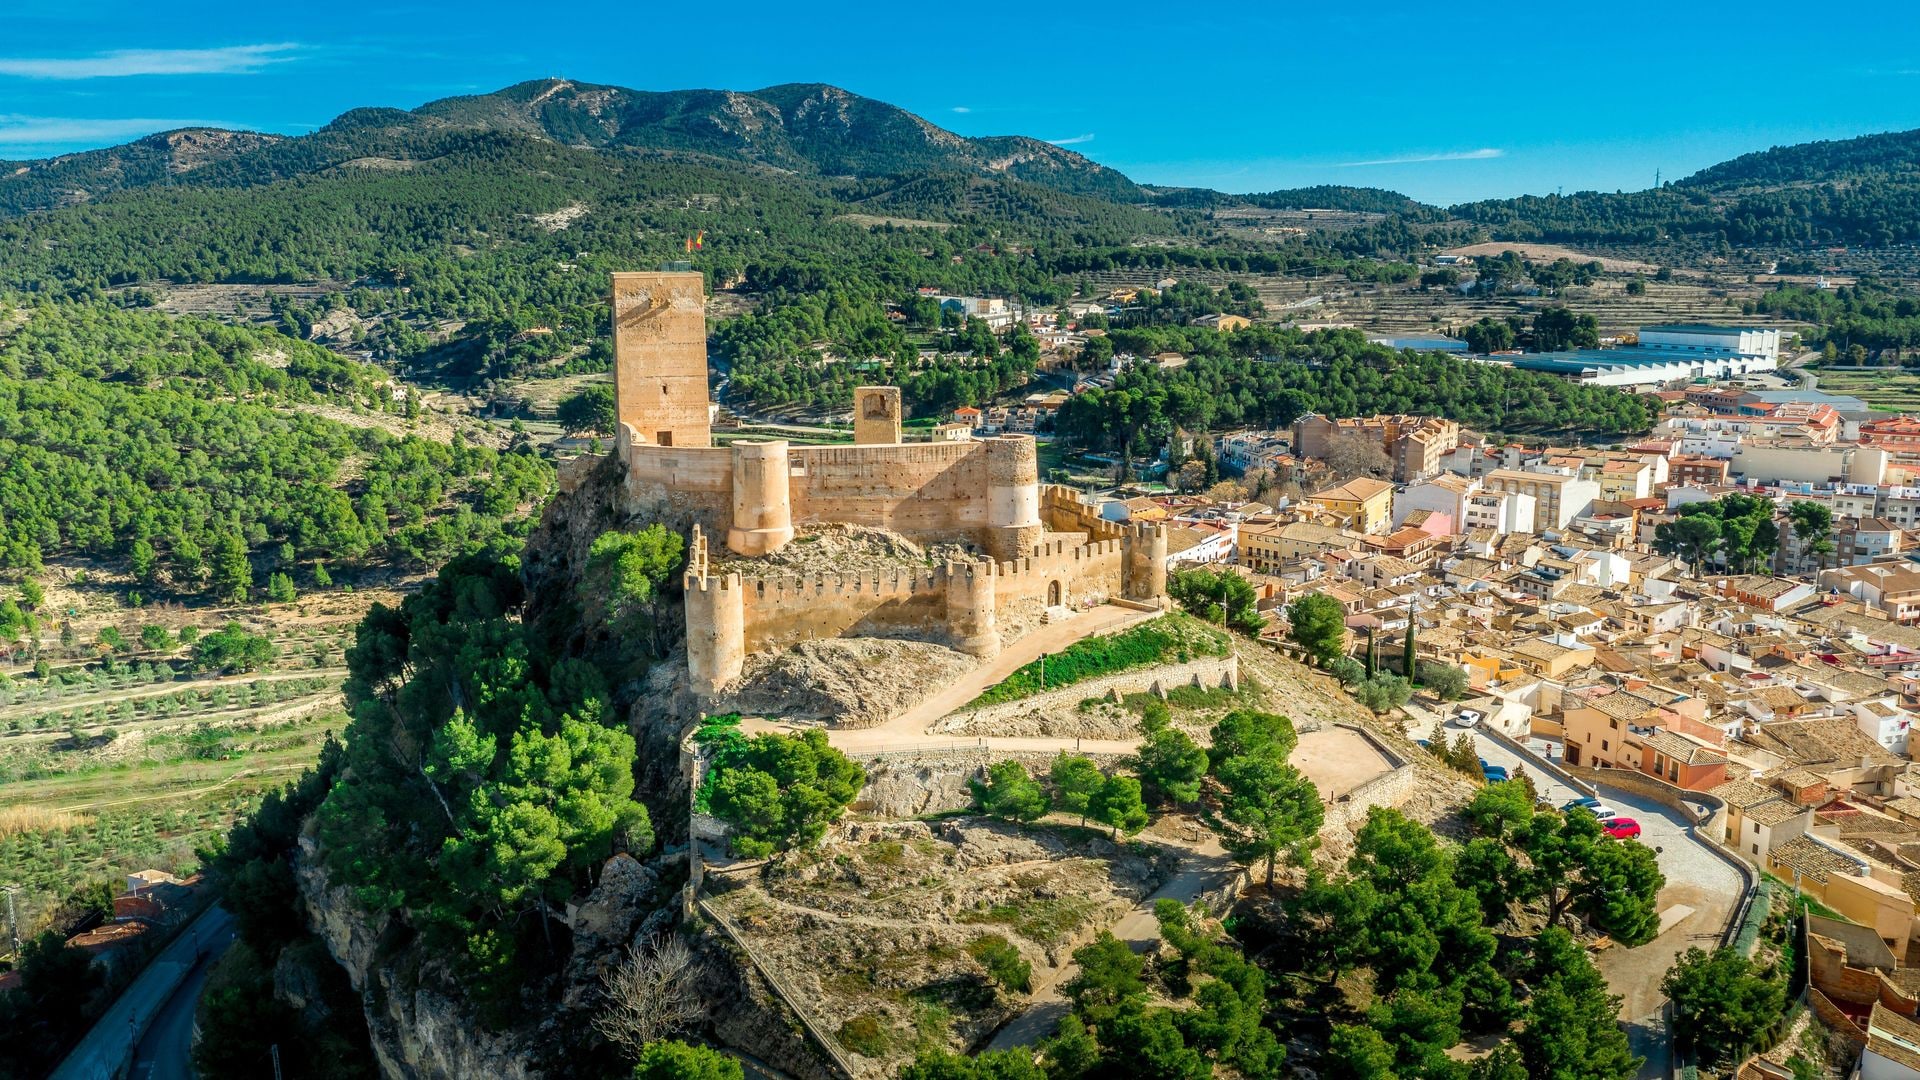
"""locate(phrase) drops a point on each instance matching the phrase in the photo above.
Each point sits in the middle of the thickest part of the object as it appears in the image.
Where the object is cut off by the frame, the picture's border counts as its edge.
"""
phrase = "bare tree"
(1351, 456)
(650, 994)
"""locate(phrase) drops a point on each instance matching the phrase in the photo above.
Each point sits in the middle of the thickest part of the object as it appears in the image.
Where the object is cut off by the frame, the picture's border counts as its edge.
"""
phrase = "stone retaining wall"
(1211, 671)
(1388, 789)
(1650, 787)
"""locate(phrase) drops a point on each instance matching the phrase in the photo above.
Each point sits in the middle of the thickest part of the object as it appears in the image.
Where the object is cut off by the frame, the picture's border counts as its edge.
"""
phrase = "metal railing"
(785, 993)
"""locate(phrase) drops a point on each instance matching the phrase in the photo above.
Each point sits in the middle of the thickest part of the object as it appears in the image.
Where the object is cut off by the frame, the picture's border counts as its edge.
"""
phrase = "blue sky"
(1443, 101)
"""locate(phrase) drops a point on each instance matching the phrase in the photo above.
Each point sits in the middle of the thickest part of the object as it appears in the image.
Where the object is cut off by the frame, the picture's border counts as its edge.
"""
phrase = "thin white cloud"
(1422, 159)
(61, 130)
(961, 109)
(231, 60)
(1075, 141)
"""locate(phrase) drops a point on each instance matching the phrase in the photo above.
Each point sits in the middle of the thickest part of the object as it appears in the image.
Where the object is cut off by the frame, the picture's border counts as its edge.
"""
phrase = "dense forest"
(1871, 315)
(1267, 377)
(179, 449)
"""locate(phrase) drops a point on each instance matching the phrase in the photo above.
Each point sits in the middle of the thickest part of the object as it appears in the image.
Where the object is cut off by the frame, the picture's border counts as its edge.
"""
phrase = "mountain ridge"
(1800, 194)
(811, 129)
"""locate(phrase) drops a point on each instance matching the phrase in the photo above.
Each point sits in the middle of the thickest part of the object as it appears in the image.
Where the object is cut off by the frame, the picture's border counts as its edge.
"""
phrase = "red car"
(1621, 828)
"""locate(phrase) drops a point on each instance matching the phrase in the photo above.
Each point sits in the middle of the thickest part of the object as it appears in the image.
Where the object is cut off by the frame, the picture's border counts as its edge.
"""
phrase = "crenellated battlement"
(1043, 545)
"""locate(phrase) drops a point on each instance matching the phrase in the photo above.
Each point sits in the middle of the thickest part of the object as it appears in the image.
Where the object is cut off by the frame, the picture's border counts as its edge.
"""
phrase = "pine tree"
(1406, 653)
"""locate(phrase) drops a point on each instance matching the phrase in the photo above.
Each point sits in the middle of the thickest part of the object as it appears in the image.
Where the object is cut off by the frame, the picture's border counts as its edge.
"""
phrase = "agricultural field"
(116, 760)
(1890, 390)
(1408, 309)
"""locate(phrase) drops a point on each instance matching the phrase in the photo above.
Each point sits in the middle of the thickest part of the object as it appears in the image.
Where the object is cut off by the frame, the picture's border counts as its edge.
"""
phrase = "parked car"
(1468, 717)
(1600, 810)
(1621, 828)
(1583, 802)
(1493, 773)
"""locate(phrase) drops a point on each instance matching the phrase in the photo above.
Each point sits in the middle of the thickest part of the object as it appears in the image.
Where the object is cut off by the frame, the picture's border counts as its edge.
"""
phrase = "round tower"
(716, 632)
(1145, 565)
(1013, 497)
(762, 502)
(970, 602)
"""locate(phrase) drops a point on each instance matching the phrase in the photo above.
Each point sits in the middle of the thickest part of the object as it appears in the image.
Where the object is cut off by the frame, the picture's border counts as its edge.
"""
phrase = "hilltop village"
(1660, 623)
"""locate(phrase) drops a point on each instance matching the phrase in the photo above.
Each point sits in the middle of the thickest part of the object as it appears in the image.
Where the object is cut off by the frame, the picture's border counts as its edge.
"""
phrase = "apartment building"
(1416, 445)
(1364, 504)
(1558, 497)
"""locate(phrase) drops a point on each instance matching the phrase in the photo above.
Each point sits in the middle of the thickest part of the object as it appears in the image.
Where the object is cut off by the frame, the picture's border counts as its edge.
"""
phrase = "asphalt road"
(175, 976)
(165, 1052)
(1697, 878)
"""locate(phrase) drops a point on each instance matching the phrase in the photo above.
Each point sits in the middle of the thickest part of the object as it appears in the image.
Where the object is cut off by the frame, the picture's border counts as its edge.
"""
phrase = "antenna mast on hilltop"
(1656, 179)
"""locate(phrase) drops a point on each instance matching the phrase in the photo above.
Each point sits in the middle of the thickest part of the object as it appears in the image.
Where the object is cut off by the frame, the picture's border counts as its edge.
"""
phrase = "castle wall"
(1063, 572)
(783, 611)
(692, 483)
(927, 491)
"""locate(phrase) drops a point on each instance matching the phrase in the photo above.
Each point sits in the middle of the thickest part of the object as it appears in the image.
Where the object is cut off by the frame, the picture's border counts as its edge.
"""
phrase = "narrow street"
(165, 1052)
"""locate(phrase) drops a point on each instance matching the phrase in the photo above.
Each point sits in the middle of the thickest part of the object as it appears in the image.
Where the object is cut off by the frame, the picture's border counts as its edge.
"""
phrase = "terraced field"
(129, 762)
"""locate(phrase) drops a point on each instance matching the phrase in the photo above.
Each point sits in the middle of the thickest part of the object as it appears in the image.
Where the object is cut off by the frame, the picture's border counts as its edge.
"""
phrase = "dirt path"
(189, 793)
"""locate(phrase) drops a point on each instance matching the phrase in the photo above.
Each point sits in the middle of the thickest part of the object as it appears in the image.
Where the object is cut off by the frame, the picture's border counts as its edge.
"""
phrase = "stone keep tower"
(660, 357)
(876, 415)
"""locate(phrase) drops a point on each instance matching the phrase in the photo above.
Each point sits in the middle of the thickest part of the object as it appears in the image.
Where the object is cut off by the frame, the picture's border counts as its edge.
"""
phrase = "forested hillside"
(1863, 191)
(179, 449)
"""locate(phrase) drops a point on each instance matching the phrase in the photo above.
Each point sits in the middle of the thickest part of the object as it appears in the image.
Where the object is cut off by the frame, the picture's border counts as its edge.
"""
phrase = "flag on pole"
(700, 240)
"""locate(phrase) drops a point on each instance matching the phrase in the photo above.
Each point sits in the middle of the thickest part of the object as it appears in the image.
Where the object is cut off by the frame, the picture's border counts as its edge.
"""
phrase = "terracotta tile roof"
(1893, 1037)
(1811, 860)
(1773, 812)
(1683, 749)
(1743, 793)
(1620, 706)
(1358, 490)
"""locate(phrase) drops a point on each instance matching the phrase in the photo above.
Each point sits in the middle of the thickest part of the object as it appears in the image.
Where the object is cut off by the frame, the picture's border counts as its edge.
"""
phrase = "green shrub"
(865, 1035)
(1003, 962)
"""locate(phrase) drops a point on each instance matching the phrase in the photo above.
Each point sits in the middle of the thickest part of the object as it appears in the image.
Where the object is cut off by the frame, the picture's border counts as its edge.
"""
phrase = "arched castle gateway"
(1037, 546)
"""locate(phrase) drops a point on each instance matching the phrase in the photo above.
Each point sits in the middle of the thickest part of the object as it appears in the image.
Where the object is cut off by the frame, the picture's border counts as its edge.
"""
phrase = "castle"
(1040, 547)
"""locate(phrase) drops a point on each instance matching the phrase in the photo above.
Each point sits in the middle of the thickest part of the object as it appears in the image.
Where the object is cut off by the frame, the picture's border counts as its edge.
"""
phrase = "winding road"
(1701, 893)
(157, 1011)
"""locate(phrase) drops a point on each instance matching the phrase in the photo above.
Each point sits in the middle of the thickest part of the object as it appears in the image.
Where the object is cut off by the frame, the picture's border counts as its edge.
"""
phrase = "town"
(1292, 574)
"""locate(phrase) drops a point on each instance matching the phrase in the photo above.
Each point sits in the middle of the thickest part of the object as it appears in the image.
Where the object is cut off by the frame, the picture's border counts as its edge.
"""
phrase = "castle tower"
(762, 498)
(716, 632)
(1144, 563)
(660, 357)
(970, 602)
(1013, 497)
(876, 415)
